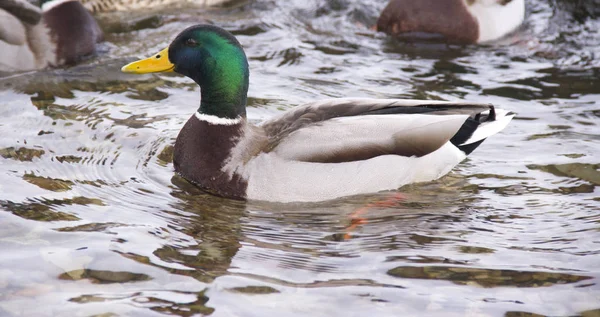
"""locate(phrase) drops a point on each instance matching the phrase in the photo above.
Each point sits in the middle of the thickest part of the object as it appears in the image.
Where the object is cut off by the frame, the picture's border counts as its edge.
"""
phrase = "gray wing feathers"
(311, 113)
(13, 13)
(23, 10)
(346, 139)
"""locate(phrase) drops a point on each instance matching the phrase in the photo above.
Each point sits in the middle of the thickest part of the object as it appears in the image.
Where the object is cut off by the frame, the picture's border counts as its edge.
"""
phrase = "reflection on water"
(486, 278)
(95, 223)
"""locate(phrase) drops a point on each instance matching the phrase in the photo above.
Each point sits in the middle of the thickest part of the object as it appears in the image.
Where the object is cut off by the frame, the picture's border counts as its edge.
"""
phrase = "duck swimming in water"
(453, 21)
(59, 33)
(317, 151)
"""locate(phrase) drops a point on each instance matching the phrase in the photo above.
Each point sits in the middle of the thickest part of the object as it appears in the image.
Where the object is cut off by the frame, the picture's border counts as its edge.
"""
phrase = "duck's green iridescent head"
(214, 59)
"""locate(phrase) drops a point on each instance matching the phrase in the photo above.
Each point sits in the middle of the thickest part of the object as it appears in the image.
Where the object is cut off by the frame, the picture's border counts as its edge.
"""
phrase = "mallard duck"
(61, 32)
(318, 151)
(456, 21)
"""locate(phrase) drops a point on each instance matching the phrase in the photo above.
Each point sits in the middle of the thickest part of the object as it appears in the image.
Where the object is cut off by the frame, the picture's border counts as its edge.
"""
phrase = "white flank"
(216, 120)
(496, 20)
(273, 178)
(488, 129)
(52, 4)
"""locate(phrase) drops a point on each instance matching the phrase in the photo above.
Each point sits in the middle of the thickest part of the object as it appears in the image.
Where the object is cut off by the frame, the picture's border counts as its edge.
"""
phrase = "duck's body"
(456, 21)
(31, 38)
(332, 148)
(318, 151)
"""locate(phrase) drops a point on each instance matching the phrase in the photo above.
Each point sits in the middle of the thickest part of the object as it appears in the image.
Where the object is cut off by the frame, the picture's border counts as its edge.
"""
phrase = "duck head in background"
(453, 21)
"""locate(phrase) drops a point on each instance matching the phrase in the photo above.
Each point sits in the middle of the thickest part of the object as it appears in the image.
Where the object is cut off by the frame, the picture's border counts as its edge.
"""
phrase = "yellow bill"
(159, 62)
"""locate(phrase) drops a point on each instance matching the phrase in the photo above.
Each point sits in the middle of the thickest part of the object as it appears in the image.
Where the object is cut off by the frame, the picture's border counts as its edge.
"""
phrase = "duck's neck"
(224, 93)
(215, 102)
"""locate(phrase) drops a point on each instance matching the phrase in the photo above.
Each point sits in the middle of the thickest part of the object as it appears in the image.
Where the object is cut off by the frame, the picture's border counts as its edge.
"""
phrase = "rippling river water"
(93, 221)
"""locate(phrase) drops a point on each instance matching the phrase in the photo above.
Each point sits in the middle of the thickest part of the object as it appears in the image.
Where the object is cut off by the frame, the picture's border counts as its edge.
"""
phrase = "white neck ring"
(214, 120)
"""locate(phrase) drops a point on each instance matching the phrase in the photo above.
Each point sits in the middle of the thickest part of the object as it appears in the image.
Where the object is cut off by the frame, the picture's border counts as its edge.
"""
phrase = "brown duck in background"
(59, 33)
(454, 21)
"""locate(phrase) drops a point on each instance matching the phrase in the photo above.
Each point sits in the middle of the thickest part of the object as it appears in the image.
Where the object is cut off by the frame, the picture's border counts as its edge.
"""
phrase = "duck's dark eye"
(191, 42)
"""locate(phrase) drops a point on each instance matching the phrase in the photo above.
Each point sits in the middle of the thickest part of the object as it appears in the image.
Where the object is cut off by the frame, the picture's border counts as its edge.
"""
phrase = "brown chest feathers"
(448, 18)
(201, 152)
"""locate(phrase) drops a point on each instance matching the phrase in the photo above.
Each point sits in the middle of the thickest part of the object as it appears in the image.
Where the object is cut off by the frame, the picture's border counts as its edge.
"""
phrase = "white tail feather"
(487, 129)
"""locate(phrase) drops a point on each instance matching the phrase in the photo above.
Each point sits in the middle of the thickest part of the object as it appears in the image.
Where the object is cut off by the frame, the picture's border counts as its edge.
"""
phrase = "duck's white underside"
(283, 180)
(496, 20)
